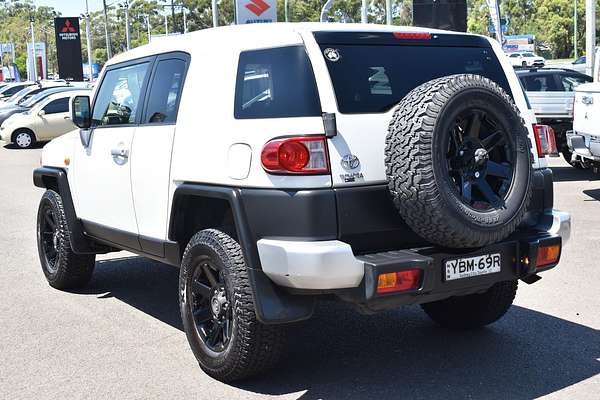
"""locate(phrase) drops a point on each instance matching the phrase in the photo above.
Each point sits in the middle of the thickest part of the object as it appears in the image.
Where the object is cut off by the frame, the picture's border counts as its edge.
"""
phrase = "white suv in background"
(526, 59)
(276, 164)
(44, 121)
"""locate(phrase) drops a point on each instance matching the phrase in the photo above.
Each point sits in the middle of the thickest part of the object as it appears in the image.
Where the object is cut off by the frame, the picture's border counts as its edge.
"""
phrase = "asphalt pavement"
(122, 337)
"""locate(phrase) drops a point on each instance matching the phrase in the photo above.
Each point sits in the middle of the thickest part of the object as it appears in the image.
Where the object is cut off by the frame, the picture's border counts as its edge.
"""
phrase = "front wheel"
(217, 309)
(24, 139)
(474, 310)
(63, 268)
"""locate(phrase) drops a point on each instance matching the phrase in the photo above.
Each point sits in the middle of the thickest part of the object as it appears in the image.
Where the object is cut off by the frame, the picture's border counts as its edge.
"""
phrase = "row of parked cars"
(36, 111)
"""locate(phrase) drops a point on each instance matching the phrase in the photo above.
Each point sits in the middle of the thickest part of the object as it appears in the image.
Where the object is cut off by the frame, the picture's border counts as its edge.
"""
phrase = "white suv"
(278, 163)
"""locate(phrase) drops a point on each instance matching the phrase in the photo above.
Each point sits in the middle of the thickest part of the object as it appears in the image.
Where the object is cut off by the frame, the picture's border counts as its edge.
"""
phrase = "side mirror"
(41, 113)
(81, 112)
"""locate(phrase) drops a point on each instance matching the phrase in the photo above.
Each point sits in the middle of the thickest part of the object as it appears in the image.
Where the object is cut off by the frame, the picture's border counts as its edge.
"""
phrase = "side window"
(57, 106)
(117, 101)
(165, 92)
(276, 83)
(539, 83)
(570, 82)
(514, 55)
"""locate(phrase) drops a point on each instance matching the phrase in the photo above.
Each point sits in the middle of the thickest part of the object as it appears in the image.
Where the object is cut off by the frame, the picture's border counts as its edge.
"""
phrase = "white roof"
(235, 36)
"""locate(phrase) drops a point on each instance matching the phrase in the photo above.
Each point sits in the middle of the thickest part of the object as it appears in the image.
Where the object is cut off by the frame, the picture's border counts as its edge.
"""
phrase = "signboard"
(68, 48)
(519, 43)
(40, 63)
(6, 48)
(255, 11)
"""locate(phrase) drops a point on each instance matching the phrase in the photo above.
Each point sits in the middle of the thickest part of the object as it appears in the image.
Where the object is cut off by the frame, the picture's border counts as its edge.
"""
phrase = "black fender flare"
(54, 178)
(273, 304)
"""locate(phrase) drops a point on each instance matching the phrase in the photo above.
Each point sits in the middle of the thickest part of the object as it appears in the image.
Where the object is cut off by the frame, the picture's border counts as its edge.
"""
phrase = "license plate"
(473, 266)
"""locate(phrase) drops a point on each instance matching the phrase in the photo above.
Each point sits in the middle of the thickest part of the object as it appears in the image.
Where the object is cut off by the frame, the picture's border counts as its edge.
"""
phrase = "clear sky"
(72, 8)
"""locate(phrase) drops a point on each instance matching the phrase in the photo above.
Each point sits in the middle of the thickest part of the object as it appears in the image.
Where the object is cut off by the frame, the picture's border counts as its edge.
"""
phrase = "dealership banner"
(68, 48)
(255, 11)
(40, 62)
(495, 17)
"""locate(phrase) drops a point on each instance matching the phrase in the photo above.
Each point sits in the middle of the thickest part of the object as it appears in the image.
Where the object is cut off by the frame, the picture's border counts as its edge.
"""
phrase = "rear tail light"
(412, 35)
(399, 281)
(547, 255)
(545, 141)
(296, 155)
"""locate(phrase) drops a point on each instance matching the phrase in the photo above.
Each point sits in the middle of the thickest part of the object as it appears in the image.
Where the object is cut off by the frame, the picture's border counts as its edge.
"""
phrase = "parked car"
(46, 120)
(526, 59)
(584, 139)
(578, 65)
(30, 100)
(280, 163)
(13, 88)
(551, 92)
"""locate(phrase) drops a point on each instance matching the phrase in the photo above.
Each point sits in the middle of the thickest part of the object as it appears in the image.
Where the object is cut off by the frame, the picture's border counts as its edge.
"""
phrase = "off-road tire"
(474, 310)
(415, 162)
(253, 347)
(71, 271)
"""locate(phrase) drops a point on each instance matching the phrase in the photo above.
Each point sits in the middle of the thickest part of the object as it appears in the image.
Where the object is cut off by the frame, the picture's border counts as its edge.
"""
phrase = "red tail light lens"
(299, 155)
(412, 35)
(545, 141)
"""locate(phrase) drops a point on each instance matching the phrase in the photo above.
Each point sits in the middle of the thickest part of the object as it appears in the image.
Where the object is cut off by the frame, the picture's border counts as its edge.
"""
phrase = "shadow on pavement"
(570, 174)
(36, 145)
(593, 193)
(339, 354)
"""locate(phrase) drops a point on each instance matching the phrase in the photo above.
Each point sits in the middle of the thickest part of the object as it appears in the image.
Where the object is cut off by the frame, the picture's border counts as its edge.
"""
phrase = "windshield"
(529, 54)
(374, 78)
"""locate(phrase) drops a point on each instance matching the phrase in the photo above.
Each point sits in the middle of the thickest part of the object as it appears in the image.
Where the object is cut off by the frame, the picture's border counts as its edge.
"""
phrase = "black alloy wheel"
(210, 306)
(49, 238)
(480, 159)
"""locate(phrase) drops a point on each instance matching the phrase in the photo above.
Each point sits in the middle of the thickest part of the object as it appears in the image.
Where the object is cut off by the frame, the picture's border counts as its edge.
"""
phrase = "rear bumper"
(585, 146)
(332, 266)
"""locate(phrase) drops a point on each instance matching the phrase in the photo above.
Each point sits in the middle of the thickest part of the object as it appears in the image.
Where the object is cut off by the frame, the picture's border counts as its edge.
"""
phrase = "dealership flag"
(495, 15)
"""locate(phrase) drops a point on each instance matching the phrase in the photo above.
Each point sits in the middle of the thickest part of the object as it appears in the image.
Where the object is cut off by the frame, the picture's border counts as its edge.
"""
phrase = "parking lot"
(122, 336)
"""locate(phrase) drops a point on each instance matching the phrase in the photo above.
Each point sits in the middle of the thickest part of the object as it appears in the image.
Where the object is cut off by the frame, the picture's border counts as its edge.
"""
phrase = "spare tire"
(458, 161)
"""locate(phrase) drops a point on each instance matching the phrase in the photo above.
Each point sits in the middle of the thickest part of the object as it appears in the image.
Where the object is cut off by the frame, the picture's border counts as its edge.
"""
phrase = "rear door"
(368, 74)
(151, 150)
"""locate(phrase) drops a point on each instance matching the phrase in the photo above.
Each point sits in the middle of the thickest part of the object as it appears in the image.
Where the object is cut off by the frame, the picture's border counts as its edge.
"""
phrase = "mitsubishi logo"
(257, 6)
(67, 27)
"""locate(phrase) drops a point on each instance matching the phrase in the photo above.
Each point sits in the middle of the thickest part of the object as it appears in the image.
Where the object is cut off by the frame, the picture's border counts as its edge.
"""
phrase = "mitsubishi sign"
(255, 11)
(68, 48)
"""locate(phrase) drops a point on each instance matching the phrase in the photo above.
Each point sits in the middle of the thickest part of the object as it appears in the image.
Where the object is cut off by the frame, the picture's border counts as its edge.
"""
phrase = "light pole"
(388, 12)
(590, 36)
(285, 9)
(125, 6)
(88, 38)
(184, 12)
(33, 67)
(363, 12)
(106, 33)
(148, 27)
(215, 13)
(166, 26)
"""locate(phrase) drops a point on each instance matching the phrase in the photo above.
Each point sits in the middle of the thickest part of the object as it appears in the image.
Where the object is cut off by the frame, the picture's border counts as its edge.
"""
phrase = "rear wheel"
(474, 310)
(63, 268)
(524, 64)
(217, 309)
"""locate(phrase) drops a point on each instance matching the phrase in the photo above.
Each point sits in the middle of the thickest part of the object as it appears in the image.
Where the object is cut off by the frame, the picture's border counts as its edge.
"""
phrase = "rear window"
(276, 83)
(539, 82)
(374, 78)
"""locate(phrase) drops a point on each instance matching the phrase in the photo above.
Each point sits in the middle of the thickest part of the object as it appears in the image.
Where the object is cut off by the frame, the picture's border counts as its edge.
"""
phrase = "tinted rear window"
(276, 83)
(374, 78)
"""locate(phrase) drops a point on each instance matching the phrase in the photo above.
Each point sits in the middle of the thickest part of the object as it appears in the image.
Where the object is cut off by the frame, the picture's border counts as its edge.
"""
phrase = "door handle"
(119, 152)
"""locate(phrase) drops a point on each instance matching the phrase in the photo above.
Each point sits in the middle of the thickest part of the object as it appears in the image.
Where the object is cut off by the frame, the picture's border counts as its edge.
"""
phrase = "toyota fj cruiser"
(279, 163)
